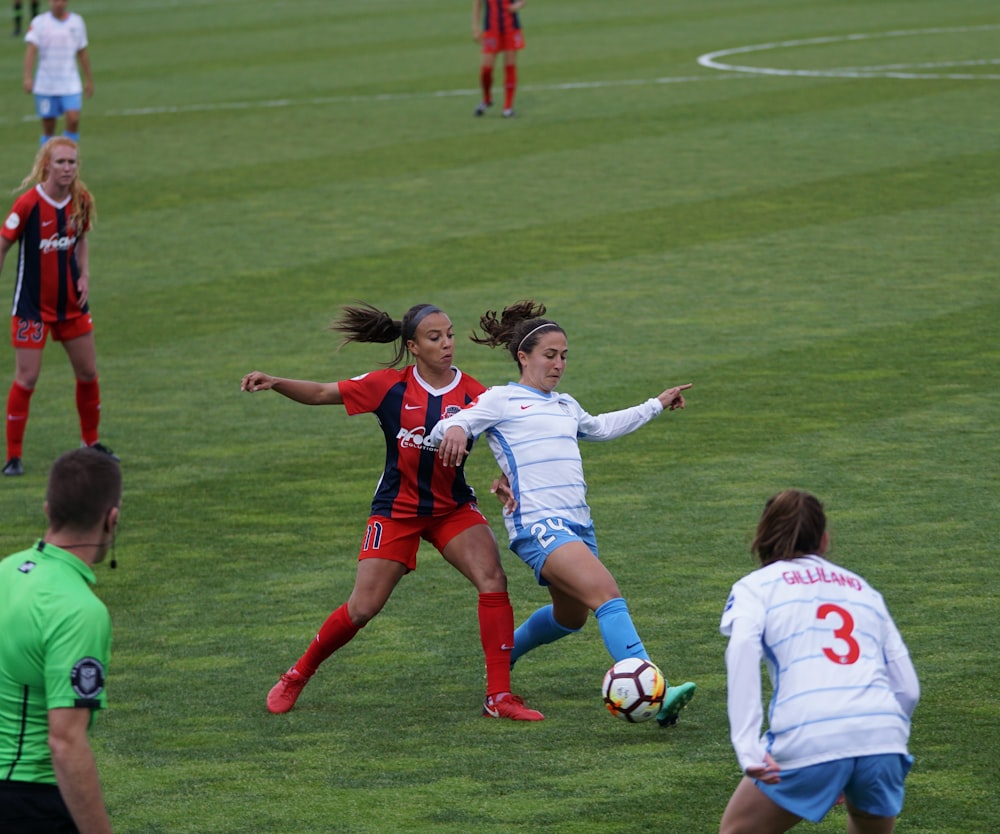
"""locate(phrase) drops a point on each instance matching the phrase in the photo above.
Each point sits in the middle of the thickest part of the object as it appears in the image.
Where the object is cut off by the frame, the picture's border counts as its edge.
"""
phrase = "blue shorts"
(52, 107)
(873, 784)
(534, 544)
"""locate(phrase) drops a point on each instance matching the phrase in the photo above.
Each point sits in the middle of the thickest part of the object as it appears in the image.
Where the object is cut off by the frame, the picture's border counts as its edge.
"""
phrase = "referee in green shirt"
(55, 642)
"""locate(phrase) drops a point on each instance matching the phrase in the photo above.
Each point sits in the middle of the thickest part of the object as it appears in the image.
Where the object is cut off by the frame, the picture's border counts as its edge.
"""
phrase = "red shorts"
(25, 333)
(398, 539)
(505, 42)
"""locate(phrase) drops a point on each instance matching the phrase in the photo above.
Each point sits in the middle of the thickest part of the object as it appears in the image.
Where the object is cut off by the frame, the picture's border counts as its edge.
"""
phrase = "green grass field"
(816, 252)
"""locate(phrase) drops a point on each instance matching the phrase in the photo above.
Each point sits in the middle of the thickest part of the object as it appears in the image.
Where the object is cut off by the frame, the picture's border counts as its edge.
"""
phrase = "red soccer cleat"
(509, 705)
(286, 691)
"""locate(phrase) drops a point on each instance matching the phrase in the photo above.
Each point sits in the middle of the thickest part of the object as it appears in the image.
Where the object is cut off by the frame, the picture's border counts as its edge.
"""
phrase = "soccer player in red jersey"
(497, 26)
(51, 289)
(416, 497)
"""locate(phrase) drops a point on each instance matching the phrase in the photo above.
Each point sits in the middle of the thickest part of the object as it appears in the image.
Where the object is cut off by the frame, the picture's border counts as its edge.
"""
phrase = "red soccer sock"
(486, 82)
(496, 630)
(88, 406)
(337, 631)
(509, 85)
(18, 402)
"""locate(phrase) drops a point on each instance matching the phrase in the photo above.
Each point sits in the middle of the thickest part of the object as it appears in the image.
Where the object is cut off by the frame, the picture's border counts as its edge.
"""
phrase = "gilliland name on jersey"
(816, 576)
(56, 243)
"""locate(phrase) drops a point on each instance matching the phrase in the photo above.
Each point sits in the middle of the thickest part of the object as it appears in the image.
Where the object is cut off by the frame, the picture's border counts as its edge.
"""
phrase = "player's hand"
(83, 288)
(672, 398)
(454, 446)
(767, 772)
(28, 85)
(501, 489)
(257, 381)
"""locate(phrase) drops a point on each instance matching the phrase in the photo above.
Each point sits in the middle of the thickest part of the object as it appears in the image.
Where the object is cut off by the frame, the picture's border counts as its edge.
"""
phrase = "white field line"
(711, 59)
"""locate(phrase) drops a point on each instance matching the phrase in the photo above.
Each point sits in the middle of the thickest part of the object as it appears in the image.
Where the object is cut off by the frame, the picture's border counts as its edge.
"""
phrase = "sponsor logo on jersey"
(27, 567)
(414, 439)
(13, 220)
(56, 243)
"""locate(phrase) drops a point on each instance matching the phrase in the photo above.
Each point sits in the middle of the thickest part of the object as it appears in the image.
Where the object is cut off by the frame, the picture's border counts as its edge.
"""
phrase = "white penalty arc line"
(710, 59)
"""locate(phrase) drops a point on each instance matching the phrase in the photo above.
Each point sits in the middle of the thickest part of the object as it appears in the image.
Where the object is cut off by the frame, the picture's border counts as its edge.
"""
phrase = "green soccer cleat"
(674, 701)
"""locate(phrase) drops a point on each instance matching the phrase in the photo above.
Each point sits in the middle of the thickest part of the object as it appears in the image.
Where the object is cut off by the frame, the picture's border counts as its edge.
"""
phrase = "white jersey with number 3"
(535, 438)
(843, 684)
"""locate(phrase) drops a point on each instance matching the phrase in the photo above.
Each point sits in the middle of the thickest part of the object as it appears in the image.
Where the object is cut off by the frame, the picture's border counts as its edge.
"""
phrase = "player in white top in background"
(58, 39)
(844, 686)
(534, 433)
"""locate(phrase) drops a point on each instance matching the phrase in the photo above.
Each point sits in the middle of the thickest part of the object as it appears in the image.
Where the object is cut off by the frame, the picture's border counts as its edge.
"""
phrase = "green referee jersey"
(55, 642)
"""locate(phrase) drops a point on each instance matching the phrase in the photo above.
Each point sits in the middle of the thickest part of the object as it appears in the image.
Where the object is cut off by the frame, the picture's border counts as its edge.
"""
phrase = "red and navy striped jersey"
(413, 483)
(498, 18)
(47, 272)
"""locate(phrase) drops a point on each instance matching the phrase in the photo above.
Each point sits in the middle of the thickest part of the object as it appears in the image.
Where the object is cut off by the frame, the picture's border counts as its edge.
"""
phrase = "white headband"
(526, 335)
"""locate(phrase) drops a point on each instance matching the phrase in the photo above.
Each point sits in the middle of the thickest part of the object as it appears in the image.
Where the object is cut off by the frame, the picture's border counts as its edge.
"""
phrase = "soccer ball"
(633, 689)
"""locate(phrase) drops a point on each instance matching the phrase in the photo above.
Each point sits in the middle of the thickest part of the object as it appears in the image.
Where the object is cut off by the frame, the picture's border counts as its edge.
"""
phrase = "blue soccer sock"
(618, 632)
(540, 628)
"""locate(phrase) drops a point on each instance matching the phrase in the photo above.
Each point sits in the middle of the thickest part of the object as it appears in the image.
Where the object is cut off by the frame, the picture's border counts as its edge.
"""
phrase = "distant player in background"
(51, 289)
(496, 25)
(844, 686)
(534, 433)
(17, 15)
(58, 40)
(416, 498)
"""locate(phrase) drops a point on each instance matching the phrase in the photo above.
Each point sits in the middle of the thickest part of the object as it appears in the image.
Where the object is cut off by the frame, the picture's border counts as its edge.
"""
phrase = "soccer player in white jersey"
(58, 39)
(844, 686)
(534, 433)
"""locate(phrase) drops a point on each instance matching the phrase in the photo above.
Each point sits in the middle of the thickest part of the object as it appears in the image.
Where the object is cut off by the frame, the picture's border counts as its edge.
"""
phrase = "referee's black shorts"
(33, 808)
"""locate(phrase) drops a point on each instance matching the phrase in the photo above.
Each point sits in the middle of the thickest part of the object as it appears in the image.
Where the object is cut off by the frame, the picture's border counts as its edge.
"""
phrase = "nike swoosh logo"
(630, 646)
(525, 406)
(411, 407)
(48, 222)
(506, 648)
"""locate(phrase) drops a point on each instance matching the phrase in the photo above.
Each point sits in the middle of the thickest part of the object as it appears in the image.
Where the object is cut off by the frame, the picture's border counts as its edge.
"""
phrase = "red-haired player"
(496, 25)
(51, 289)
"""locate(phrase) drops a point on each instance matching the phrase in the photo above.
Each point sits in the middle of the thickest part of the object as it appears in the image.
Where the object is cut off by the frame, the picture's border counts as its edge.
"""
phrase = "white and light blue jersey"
(535, 438)
(58, 42)
(843, 683)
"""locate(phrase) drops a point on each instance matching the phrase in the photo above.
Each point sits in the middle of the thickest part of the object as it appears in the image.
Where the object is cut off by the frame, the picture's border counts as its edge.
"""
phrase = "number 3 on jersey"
(841, 632)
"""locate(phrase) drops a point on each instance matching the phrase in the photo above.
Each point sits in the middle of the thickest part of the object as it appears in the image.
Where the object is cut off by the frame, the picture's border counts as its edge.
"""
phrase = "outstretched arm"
(301, 390)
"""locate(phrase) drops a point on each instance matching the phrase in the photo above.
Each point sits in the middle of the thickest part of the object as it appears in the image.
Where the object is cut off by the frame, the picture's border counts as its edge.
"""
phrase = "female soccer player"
(51, 289)
(533, 431)
(497, 27)
(416, 498)
(844, 684)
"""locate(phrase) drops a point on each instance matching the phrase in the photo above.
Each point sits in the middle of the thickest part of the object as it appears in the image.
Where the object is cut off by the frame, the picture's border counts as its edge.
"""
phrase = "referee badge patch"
(87, 677)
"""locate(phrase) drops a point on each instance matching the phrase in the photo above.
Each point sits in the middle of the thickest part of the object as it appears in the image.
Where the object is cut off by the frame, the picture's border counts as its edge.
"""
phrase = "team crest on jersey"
(87, 677)
(450, 411)
(564, 406)
(27, 567)
(13, 220)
